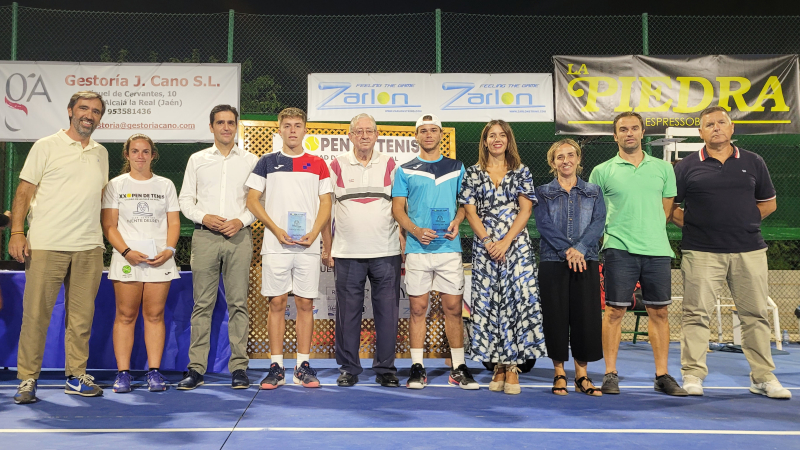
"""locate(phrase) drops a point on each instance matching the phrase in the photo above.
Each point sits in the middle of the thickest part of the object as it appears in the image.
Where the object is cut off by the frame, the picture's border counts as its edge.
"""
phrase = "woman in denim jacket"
(570, 217)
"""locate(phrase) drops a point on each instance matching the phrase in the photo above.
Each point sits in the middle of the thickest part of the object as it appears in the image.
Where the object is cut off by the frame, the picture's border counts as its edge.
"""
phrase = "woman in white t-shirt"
(141, 220)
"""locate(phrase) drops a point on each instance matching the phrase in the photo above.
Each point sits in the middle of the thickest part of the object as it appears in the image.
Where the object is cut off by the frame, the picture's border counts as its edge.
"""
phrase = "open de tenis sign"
(760, 92)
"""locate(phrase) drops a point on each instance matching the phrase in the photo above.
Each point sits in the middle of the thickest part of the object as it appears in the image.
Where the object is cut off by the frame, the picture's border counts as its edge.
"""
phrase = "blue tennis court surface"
(215, 416)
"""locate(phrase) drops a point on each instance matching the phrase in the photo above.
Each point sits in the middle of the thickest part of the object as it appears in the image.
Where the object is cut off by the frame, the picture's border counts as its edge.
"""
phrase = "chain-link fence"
(277, 53)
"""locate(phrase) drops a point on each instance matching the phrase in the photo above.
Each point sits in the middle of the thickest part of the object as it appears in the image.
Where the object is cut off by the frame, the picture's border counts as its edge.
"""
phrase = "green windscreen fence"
(277, 52)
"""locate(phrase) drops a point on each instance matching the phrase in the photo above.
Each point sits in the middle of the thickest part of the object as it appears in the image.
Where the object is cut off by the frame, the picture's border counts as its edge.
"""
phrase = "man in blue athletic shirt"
(424, 205)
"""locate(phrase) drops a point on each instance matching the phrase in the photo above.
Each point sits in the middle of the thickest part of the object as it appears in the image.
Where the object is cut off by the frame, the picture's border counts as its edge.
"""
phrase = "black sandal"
(587, 391)
(555, 389)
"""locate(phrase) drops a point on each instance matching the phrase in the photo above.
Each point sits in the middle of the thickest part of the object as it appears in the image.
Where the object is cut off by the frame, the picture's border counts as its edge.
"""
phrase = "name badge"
(440, 220)
(297, 225)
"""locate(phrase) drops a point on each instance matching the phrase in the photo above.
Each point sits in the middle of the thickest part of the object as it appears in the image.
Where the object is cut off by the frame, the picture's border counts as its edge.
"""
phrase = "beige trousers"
(704, 275)
(211, 253)
(45, 272)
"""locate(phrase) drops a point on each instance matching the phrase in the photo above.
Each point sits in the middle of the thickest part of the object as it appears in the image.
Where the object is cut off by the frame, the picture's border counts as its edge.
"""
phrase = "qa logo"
(20, 90)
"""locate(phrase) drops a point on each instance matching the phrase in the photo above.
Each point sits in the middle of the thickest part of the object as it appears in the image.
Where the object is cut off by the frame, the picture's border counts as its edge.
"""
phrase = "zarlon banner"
(454, 97)
(759, 91)
(168, 102)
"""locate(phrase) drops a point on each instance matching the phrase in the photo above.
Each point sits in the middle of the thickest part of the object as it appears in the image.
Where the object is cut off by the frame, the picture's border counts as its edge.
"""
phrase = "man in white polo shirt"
(366, 244)
(59, 190)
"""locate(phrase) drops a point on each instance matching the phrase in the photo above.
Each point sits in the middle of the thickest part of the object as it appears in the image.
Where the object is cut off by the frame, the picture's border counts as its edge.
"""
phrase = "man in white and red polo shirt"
(366, 244)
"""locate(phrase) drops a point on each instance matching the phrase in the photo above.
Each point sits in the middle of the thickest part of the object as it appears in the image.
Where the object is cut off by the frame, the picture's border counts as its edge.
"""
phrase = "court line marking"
(127, 430)
(255, 386)
(542, 430)
(405, 430)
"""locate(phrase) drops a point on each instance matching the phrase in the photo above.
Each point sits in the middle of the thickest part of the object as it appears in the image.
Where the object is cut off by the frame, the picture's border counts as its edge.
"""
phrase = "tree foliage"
(259, 93)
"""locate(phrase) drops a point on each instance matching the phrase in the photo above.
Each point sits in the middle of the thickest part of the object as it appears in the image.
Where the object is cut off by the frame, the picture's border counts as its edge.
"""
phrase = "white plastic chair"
(771, 307)
(737, 336)
(674, 145)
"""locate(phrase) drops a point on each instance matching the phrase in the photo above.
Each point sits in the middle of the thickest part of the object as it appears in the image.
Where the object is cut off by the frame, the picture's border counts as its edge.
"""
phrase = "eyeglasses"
(361, 132)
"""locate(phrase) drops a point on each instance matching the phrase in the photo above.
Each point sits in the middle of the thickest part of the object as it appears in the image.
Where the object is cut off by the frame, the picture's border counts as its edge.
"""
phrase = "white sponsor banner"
(329, 146)
(475, 97)
(168, 102)
(385, 96)
(454, 97)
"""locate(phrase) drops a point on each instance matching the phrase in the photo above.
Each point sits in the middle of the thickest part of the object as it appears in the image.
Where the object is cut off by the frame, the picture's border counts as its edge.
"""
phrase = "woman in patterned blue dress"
(498, 196)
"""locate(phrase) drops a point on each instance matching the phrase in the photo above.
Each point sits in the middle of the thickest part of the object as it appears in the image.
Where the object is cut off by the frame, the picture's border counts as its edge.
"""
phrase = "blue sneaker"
(26, 392)
(122, 383)
(84, 386)
(156, 382)
(306, 376)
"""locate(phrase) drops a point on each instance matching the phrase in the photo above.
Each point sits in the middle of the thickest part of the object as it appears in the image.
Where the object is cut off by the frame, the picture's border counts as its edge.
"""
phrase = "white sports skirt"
(121, 270)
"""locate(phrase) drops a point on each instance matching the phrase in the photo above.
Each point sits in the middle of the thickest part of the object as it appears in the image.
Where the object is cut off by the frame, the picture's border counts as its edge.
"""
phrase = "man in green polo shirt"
(638, 190)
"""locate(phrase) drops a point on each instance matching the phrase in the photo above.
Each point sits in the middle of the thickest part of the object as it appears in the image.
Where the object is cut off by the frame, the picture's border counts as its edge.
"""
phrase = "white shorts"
(442, 272)
(121, 270)
(295, 272)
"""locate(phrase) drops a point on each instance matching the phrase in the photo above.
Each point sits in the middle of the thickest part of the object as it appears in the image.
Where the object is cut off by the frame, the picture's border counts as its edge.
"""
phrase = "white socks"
(302, 357)
(457, 356)
(416, 356)
(277, 359)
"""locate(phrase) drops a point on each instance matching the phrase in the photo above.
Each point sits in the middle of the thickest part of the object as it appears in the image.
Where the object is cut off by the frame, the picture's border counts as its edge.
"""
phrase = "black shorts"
(621, 271)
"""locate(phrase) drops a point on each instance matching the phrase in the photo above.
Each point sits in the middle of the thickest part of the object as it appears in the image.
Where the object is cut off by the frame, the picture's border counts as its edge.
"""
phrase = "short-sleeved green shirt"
(635, 220)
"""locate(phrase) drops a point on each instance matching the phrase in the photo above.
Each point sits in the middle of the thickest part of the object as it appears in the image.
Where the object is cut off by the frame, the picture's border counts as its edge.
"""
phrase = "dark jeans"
(384, 278)
(571, 311)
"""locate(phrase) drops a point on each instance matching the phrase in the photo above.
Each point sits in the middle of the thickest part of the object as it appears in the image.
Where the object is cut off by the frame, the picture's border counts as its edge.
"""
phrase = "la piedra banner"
(760, 92)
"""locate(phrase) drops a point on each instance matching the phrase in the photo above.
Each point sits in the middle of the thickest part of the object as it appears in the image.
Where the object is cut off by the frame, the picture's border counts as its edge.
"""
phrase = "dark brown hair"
(627, 114)
(126, 165)
(221, 108)
(513, 160)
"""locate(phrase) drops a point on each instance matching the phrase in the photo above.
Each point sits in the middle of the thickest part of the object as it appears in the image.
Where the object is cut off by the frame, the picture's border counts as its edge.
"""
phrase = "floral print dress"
(506, 325)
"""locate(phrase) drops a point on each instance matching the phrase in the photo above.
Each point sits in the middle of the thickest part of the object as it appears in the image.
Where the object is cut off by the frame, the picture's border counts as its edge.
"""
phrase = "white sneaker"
(771, 389)
(693, 385)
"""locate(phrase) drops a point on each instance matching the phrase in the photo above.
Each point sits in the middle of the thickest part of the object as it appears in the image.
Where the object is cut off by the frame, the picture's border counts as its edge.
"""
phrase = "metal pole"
(230, 35)
(646, 51)
(9, 187)
(438, 40)
(645, 36)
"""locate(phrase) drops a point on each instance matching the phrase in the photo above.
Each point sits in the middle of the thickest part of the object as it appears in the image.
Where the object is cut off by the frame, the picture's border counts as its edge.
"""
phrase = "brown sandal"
(559, 390)
(593, 391)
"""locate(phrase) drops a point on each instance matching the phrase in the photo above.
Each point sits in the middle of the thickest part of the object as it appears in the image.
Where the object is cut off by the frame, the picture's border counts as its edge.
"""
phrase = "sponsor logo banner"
(168, 102)
(329, 146)
(454, 97)
(759, 91)
(475, 97)
(385, 96)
